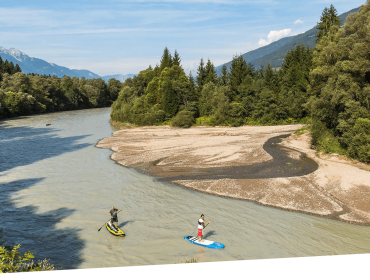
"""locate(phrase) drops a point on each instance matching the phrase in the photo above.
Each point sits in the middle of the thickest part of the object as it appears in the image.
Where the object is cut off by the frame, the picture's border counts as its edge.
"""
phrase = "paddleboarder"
(201, 223)
(113, 216)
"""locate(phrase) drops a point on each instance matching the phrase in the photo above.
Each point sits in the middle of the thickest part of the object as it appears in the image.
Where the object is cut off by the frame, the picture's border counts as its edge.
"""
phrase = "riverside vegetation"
(13, 261)
(327, 86)
(22, 94)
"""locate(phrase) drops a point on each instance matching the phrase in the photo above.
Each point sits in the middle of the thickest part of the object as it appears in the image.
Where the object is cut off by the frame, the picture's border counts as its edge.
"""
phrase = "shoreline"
(216, 161)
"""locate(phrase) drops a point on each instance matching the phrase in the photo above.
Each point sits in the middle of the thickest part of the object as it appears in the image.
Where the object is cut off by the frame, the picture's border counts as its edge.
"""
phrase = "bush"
(324, 140)
(183, 119)
(204, 121)
(359, 147)
(236, 114)
(14, 261)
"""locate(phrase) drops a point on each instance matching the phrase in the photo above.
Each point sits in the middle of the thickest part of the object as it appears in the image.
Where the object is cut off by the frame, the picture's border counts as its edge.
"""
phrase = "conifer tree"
(176, 59)
(269, 76)
(166, 60)
(201, 75)
(224, 78)
(211, 75)
(328, 18)
(238, 72)
(192, 87)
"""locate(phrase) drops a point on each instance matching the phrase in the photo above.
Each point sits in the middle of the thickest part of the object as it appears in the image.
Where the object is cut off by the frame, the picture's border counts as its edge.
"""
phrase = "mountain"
(118, 77)
(259, 53)
(39, 66)
(276, 51)
(276, 58)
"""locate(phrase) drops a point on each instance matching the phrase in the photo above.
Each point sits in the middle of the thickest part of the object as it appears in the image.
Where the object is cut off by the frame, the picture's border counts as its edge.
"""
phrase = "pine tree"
(269, 76)
(166, 60)
(18, 69)
(224, 78)
(238, 72)
(201, 75)
(211, 75)
(328, 18)
(192, 88)
(176, 59)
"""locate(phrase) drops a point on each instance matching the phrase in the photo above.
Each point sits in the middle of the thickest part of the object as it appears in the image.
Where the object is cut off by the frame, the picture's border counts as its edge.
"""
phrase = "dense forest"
(243, 96)
(327, 86)
(339, 87)
(22, 94)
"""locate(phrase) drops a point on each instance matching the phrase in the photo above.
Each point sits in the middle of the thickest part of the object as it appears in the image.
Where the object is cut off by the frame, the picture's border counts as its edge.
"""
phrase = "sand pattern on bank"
(338, 189)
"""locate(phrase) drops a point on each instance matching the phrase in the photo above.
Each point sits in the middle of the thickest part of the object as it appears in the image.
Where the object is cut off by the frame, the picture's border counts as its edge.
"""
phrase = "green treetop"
(224, 78)
(238, 72)
(328, 18)
(176, 59)
(166, 60)
(211, 75)
(201, 75)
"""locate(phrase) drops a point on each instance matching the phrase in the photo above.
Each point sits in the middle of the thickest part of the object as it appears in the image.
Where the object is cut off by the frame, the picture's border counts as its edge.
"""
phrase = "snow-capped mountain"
(39, 66)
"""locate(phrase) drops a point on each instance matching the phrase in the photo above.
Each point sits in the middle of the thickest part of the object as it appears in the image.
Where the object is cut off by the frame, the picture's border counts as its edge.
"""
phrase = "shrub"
(14, 261)
(183, 119)
(359, 147)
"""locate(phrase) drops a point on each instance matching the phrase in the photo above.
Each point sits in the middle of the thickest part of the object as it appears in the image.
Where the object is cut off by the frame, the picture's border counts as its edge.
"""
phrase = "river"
(56, 189)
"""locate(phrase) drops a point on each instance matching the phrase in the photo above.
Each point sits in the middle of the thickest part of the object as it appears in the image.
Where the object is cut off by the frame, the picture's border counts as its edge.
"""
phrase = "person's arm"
(119, 210)
(110, 215)
(207, 222)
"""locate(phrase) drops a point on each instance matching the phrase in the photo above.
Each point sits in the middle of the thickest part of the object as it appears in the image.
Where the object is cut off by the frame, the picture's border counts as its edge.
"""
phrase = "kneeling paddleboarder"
(201, 223)
(113, 216)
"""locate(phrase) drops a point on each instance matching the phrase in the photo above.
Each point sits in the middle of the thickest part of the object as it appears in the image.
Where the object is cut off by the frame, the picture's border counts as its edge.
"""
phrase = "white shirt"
(200, 225)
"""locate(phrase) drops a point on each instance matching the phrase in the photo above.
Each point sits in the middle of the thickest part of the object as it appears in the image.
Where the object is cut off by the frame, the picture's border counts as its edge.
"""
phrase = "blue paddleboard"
(205, 243)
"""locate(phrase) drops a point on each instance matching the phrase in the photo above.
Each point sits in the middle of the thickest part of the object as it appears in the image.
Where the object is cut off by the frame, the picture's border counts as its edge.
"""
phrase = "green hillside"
(259, 53)
(276, 51)
(276, 58)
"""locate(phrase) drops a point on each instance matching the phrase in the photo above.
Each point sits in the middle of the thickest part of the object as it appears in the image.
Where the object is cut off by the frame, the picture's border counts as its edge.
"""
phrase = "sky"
(126, 36)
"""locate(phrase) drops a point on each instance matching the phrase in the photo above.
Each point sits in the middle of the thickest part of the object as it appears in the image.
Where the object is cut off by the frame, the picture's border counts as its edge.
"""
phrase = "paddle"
(103, 225)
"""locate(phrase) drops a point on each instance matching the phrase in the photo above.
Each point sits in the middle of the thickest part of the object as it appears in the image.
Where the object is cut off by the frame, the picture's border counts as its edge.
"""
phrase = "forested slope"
(22, 94)
(307, 38)
(340, 88)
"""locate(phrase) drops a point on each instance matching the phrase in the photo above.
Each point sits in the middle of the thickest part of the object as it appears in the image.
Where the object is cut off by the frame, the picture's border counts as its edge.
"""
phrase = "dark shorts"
(114, 220)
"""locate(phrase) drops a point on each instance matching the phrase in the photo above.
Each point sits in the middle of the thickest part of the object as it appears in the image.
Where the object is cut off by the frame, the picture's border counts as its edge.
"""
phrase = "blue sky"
(122, 37)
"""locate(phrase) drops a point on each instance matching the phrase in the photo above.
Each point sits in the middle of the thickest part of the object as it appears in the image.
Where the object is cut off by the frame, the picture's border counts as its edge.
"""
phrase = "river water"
(56, 189)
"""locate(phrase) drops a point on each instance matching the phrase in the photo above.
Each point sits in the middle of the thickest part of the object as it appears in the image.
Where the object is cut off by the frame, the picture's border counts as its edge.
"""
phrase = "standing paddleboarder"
(113, 216)
(201, 223)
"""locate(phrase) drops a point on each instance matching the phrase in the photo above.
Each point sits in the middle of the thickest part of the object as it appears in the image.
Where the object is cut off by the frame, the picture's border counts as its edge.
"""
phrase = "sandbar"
(265, 164)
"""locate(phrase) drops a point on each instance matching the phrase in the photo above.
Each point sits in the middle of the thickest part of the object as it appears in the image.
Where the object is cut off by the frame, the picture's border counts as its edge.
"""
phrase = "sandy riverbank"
(210, 160)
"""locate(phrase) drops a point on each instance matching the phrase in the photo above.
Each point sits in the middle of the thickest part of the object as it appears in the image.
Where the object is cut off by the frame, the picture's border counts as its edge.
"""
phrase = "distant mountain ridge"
(276, 51)
(118, 77)
(251, 56)
(42, 67)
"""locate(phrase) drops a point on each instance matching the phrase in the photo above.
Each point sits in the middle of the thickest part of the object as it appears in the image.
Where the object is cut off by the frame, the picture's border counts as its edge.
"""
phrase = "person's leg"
(200, 234)
(112, 221)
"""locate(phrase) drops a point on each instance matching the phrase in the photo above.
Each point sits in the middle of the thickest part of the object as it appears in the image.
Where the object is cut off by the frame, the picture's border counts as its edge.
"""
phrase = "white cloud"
(298, 21)
(274, 35)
